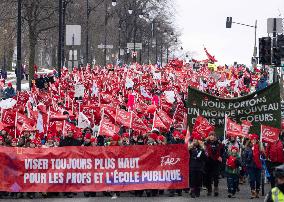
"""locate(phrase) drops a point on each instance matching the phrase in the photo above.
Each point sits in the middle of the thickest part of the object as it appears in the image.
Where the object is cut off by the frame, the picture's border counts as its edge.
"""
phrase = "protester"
(253, 164)
(233, 163)
(214, 151)
(275, 157)
(9, 92)
(196, 165)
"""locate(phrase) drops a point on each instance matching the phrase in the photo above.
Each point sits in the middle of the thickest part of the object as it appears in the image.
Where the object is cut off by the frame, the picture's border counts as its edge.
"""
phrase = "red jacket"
(274, 152)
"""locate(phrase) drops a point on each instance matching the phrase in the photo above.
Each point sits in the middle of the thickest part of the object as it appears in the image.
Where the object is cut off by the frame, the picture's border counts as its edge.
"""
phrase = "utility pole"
(59, 50)
(274, 44)
(105, 50)
(19, 45)
(87, 34)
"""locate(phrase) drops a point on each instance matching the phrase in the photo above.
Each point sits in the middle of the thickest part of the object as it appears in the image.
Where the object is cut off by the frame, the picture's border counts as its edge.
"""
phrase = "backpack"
(231, 162)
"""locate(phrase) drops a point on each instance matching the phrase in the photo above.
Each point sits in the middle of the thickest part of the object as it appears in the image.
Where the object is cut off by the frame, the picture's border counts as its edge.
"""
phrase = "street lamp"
(113, 2)
(106, 18)
(130, 10)
(229, 22)
(19, 45)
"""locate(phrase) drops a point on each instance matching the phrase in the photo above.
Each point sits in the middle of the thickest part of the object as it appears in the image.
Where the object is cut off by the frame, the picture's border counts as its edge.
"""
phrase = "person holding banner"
(253, 163)
(214, 152)
(196, 165)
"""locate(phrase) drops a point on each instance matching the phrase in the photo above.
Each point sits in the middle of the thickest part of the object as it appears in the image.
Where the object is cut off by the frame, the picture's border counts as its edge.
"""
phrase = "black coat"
(197, 159)
(69, 141)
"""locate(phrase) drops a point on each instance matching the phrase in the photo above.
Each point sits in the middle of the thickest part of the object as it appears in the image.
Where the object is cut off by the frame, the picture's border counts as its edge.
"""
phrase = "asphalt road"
(243, 195)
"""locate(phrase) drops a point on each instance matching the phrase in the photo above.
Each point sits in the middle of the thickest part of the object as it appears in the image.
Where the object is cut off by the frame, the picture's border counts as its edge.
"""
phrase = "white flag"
(39, 124)
(83, 121)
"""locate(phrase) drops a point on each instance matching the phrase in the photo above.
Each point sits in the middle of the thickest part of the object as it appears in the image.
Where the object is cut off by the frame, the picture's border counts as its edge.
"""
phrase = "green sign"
(262, 107)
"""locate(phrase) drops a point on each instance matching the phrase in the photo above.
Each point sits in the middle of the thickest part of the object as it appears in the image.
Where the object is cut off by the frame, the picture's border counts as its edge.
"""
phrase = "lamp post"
(87, 32)
(59, 49)
(229, 22)
(19, 45)
(113, 3)
(119, 40)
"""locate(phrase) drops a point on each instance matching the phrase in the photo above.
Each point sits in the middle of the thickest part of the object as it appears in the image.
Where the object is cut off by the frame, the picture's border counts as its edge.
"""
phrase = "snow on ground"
(11, 77)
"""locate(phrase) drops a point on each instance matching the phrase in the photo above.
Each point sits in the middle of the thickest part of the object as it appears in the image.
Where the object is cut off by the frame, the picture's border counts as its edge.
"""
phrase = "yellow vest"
(277, 195)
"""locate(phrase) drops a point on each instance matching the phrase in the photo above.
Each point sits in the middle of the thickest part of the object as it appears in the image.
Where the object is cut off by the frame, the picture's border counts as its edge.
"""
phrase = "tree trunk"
(32, 39)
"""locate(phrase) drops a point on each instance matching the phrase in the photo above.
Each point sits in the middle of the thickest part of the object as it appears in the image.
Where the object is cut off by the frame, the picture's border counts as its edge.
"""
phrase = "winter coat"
(197, 159)
(214, 150)
(249, 159)
(9, 92)
(262, 84)
(274, 152)
(69, 141)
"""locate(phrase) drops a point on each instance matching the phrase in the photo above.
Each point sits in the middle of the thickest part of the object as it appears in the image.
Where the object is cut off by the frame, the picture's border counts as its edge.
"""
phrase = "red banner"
(79, 169)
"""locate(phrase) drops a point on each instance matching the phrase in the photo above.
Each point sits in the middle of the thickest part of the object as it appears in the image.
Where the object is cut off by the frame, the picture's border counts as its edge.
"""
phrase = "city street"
(243, 195)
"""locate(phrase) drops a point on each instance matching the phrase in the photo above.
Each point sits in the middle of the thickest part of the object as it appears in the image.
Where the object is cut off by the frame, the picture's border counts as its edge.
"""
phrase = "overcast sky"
(202, 22)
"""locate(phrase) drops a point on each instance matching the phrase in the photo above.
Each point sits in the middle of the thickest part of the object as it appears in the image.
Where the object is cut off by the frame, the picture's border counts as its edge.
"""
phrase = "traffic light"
(265, 50)
(280, 44)
(276, 57)
(229, 22)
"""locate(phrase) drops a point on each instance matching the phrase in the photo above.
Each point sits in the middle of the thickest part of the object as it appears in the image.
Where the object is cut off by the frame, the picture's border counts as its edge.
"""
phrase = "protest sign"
(78, 169)
(262, 107)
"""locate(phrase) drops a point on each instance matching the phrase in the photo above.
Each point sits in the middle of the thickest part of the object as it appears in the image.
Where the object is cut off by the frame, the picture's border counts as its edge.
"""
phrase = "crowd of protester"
(239, 160)
(210, 158)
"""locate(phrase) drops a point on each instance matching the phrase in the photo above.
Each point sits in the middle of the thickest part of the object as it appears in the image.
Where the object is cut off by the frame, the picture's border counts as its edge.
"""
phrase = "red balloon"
(151, 109)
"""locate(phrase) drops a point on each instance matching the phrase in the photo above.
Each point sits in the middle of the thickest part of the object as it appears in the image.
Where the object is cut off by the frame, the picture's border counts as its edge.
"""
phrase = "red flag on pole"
(269, 134)
(157, 122)
(202, 127)
(123, 117)
(232, 128)
(106, 128)
(167, 121)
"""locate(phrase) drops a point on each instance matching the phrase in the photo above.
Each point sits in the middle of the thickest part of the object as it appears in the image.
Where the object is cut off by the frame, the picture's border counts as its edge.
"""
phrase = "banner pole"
(225, 128)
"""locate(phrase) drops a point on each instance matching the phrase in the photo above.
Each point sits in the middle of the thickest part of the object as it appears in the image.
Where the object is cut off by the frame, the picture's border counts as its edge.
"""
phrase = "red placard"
(79, 169)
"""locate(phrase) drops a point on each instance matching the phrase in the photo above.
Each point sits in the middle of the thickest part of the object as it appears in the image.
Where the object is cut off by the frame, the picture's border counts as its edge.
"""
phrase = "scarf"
(256, 156)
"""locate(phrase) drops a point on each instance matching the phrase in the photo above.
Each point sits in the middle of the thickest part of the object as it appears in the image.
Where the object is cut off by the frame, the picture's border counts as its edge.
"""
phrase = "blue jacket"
(9, 93)
(262, 84)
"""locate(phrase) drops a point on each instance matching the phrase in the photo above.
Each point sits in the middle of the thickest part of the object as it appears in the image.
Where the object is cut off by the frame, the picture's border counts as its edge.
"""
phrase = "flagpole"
(16, 124)
(153, 120)
(48, 118)
(225, 128)
(102, 116)
(261, 146)
(130, 122)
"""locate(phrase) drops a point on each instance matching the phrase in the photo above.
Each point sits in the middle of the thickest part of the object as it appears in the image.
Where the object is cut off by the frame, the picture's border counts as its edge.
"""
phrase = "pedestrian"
(196, 165)
(277, 193)
(275, 157)
(232, 170)
(9, 92)
(253, 164)
(214, 151)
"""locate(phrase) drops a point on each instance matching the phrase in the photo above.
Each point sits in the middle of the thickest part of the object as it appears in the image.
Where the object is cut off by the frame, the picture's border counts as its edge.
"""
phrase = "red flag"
(232, 128)
(23, 119)
(123, 117)
(269, 134)
(105, 98)
(22, 98)
(107, 128)
(157, 123)
(245, 127)
(138, 124)
(8, 117)
(202, 127)
(165, 118)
